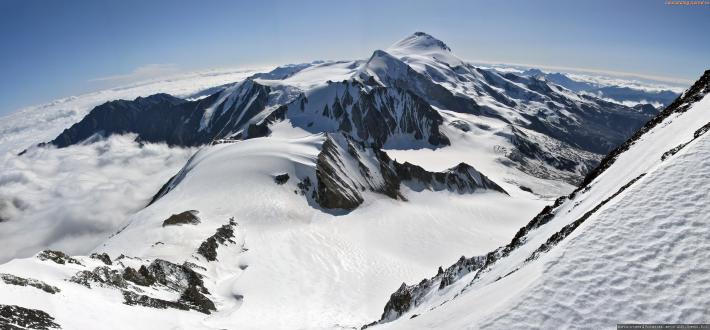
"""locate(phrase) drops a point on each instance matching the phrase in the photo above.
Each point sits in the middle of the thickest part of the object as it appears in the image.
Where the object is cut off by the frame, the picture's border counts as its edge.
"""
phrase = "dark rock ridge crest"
(159, 275)
(21, 281)
(14, 317)
(347, 167)
(165, 118)
(224, 235)
(370, 114)
(182, 218)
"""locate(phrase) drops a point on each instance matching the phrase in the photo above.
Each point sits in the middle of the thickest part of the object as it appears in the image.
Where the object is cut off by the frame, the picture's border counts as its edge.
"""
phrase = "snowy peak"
(420, 50)
(418, 42)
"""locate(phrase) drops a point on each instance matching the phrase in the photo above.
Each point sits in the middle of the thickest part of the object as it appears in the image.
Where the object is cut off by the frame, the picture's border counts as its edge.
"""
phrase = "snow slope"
(298, 259)
(644, 259)
(630, 246)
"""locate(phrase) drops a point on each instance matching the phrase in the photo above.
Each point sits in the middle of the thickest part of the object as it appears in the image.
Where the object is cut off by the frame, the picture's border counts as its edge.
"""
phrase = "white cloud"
(146, 72)
(72, 199)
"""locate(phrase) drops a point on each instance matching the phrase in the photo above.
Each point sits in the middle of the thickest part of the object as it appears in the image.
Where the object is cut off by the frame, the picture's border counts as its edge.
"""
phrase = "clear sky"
(50, 49)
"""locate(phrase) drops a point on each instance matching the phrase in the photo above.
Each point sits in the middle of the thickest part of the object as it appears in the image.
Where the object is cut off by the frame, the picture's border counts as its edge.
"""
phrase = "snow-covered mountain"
(634, 232)
(549, 132)
(317, 188)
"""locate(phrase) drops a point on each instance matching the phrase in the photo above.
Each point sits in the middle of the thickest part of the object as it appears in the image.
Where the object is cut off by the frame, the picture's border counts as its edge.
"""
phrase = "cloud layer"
(72, 199)
(146, 72)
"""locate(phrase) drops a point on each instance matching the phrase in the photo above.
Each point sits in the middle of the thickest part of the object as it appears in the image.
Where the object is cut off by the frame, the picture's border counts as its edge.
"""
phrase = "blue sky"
(51, 49)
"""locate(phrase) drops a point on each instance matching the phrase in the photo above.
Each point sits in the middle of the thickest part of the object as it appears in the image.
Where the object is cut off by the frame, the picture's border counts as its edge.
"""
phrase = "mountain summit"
(423, 47)
(420, 41)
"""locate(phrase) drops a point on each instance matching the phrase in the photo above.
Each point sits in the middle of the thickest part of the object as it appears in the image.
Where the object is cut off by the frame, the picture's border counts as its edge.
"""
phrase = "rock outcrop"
(19, 318)
(346, 167)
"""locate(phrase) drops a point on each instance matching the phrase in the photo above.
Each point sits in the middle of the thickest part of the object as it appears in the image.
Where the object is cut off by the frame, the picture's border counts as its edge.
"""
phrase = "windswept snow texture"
(644, 260)
(637, 251)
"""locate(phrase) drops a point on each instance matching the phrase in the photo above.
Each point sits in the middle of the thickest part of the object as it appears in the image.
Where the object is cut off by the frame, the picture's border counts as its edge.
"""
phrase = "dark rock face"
(101, 256)
(196, 300)
(409, 296)
(462, 178)
(373, 115)
(132, 298)
(184, 218)
(16, 280)
(339, 185)
(141, 116)
(140, 277)
(18, 318)
(164, 118)
(462, 125)
(191, 298)
(103, 276)
(400, 302)
(208, 248)
(160, 275)
(180, 278)
(332, 191)
(281, 178)
(57, 256)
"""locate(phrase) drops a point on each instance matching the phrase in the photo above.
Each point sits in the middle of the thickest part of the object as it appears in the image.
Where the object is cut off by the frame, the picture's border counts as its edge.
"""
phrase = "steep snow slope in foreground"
(631, 246)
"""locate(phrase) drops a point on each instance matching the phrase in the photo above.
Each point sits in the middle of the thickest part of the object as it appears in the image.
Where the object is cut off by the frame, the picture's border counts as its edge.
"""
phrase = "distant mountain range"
(393, 96)
(623, 94)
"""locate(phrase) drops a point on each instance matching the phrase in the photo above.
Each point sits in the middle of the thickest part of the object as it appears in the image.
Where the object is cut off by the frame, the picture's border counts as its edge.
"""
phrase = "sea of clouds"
(72, 199)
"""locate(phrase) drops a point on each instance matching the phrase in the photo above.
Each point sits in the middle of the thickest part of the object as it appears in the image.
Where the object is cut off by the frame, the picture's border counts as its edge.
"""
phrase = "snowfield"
(298, 260)
(301, 260)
